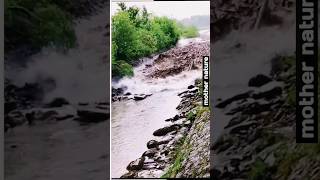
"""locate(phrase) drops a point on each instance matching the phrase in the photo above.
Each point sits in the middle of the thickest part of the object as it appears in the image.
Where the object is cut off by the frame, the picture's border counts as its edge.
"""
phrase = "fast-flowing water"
(239, 57)
(52, 150)
(133, 122)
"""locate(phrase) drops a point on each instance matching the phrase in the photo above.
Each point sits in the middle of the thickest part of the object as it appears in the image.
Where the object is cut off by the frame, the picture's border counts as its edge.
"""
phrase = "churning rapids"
(133, 122)
(64, 150)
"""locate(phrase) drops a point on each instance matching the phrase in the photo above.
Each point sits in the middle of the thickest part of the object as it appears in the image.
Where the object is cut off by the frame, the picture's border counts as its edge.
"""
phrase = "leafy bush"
(191, 115)
(37, 24)
(135, 34)
(180, 154)
(189, 31)
(54, 28)
(122, 68)
(259, 171)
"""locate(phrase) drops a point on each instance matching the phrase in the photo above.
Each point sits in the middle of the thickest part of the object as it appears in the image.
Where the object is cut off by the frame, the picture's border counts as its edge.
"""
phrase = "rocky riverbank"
(169, 63)
(247, 14)
(24, 105)
(182, 149)
(178, 59)
(259, 140)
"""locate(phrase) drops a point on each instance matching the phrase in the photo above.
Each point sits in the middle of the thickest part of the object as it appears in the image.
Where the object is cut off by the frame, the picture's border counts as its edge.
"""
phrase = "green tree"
(135, 34)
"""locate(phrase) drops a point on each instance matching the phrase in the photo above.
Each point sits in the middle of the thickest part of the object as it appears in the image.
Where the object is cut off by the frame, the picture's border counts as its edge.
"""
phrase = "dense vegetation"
(38, 23)
(188, 31)
(136, 33)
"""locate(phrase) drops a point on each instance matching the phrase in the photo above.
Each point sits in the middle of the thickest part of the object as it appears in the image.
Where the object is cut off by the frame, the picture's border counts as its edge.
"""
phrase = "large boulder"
(259, 80)
(228, 101)
(136, 164)
(150, 153)
(166, 130)
(118, 91)
(152, 144)
(58, 102)
(92, 115)
(139, 97)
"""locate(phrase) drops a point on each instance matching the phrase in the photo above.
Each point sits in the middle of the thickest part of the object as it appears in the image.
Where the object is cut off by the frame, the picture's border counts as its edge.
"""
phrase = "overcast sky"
(173, 9)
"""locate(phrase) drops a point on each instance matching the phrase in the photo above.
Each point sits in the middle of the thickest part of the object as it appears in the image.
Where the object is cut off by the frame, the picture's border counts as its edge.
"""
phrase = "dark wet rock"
(92, 115)
(128, 94)
(30, 116)
(188, 95)
(194, 90)
(152, 144)
(149, 166)
(141, 96)
(103, 107)
(64, 117)
(15, 118)
(10, 106)
(167, 120)
(31, 92)
(243, 129)
(58, 102)
(175, 118)
(259, 80)
(83, 104)
(23, 97)
(130, 174)
(183, 92)
(150, 153)
(165, 130)
(117, 91)
(7, 127)
(191, 87)
(136, 164)
(115, 98)
(226, 102)
(45, 114)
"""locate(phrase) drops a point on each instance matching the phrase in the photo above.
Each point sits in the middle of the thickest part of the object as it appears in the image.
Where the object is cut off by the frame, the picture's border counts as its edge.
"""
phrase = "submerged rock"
(141, 96)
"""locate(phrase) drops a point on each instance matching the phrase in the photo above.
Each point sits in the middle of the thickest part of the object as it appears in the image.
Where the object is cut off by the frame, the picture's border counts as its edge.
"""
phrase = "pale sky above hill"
(172, 9)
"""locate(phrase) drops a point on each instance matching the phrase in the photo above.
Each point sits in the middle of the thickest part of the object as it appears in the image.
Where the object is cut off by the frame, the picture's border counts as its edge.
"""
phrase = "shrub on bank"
(136, 33)
(189, 31)
(37, 24)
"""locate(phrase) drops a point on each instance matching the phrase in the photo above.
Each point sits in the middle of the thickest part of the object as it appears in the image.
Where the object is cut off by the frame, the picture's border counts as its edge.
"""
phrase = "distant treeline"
(137, 33)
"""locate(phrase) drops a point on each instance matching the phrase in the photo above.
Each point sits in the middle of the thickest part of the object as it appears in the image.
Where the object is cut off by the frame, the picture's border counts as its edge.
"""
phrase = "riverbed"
(133, 122)
(66, 149)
